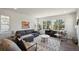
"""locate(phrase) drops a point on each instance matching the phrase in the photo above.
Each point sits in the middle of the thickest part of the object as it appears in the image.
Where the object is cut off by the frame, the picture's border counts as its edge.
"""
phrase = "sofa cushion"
(29, 31)
(35, 34)
(25, 36)
(23, 32)
(28, 38)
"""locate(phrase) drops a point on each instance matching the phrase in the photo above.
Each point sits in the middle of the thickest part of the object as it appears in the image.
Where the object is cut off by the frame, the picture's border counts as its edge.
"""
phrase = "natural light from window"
(4, 23)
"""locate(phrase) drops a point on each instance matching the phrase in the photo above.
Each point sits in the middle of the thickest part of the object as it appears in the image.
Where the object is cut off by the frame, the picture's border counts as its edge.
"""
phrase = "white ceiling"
(42, 12)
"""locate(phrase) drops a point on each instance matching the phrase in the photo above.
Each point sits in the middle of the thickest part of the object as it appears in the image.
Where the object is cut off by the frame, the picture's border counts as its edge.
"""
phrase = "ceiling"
(42, 12)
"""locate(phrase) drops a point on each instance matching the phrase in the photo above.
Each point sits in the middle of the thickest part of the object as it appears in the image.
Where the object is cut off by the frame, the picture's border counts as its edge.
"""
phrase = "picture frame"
(25, 24)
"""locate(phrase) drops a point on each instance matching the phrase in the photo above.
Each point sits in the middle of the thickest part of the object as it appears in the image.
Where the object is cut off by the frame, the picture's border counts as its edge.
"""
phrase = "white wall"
(77, 26)
(77, 14)
(15, 21)
(70, 20)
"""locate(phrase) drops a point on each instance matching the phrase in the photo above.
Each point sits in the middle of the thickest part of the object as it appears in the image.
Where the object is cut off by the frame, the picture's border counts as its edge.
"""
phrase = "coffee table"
(44, 38)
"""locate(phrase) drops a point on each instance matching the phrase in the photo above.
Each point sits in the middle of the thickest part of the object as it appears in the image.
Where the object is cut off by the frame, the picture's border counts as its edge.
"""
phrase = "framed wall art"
(25, 24)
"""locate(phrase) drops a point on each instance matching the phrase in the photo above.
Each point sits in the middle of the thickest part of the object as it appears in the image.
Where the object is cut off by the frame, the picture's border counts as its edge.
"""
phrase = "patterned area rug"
(51, 44)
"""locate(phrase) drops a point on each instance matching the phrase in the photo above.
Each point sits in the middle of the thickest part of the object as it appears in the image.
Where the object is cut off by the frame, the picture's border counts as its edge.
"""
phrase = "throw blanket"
(25, 36)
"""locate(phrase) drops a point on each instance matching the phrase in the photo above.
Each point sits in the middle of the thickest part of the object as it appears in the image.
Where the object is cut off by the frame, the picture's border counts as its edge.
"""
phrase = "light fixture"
(14, 8)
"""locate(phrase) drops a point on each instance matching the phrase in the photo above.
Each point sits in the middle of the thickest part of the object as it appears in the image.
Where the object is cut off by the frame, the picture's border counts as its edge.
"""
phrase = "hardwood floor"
(65, 45)
(68, 45)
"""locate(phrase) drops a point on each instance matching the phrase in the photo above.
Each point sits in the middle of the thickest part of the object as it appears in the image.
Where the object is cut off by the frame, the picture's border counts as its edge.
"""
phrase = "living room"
(50, 28)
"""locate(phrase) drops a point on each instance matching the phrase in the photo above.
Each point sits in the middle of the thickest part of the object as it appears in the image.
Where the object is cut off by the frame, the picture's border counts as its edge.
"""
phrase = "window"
(46, 24)
(4, 24)
(59, 24)
(53, 24)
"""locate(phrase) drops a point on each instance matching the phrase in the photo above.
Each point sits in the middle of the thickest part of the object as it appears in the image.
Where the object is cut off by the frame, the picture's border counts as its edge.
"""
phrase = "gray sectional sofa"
(21, 33)
(28, 38)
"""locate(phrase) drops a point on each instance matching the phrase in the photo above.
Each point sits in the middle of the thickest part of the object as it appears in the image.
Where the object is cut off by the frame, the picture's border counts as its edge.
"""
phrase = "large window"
(46, 24)
(4, 23)
(57, 24)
